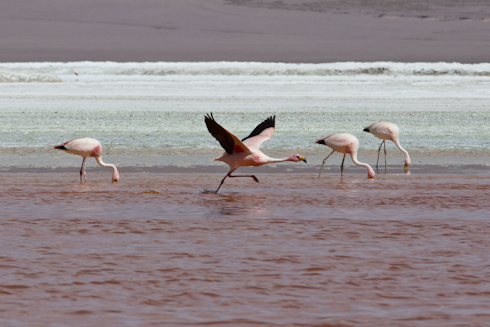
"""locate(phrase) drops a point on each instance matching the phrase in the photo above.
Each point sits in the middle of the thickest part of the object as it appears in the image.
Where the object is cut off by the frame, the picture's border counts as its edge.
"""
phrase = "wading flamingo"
(87, 147)
(347, 144)
(388, 131)
(245, 152)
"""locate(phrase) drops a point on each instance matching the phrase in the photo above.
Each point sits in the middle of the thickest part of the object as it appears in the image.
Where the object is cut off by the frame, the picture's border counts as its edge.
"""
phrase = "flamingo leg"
(82, 171)
(384, 147)
(342, 167)
(230, 175)
(379, 150)
(252, 176)
(324, 163)
(222, 182)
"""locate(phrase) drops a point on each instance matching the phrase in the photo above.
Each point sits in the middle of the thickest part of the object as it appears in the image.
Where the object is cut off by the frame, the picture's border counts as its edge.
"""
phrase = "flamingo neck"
(115, 173)
(371, 173)
(273, 160)
(407, 157)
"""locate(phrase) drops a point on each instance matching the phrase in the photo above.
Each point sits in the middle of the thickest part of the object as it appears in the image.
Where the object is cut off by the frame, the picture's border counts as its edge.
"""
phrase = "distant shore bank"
(290, 31)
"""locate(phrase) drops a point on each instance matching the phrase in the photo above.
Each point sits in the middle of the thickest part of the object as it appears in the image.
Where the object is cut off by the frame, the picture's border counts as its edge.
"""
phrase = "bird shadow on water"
(209, 191)
(234, 204)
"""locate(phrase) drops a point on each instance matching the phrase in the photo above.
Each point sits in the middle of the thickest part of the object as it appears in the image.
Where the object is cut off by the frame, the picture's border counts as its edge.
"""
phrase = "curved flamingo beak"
(302, 158)
(114, 181)
(405, 167)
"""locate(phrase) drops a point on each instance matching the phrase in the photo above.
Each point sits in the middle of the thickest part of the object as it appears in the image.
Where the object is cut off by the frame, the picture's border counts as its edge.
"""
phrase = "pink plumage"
(388, 131)
(347, 144)
(245, 152)
(87, 147)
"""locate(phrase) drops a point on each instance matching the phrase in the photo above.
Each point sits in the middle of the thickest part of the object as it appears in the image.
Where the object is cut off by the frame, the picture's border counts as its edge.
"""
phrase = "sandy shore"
(269, 31)
(39, 160)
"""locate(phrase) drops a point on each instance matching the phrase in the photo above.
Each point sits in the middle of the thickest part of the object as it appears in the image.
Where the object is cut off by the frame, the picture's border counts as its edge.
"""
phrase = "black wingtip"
(366, 129)
(273, 120)
(219, 133)
(60, 147)
(268, 123)
(209, 116)
(320, 141)
(209, 119)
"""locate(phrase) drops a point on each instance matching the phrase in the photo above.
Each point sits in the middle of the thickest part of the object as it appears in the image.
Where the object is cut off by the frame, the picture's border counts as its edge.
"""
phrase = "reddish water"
(291, 251)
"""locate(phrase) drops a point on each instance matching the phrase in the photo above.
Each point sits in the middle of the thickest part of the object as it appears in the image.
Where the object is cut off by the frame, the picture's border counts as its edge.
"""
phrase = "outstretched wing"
(261, 133)
(228, 140)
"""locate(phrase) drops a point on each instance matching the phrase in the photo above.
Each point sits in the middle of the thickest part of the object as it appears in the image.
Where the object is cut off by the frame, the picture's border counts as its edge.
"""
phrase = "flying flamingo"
(87, 147)
(388, 131)
(347, 144)
(245, 152)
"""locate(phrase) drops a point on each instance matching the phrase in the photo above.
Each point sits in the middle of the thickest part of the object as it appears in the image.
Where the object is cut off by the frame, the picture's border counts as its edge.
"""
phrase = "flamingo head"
(371, 173)
(296, 158)
(115, 177)
(407, 163)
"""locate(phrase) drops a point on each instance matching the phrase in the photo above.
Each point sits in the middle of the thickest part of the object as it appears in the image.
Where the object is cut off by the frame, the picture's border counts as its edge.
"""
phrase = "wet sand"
(294, 250)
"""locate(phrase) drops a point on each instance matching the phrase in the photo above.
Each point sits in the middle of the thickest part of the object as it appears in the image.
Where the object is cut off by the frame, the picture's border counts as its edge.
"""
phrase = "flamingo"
(247, 151)
(388, 131)
(87, 147)
(347, 144)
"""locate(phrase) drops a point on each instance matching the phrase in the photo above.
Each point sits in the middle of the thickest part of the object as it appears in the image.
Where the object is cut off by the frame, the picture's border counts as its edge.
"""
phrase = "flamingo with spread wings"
(247, 151)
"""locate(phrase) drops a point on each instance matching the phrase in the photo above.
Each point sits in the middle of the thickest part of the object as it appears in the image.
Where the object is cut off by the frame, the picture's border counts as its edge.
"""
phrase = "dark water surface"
(294, 250)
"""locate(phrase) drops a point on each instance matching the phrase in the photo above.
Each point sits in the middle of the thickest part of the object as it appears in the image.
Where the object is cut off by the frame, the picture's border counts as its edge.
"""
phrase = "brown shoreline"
(334, 169)
(200, 161)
